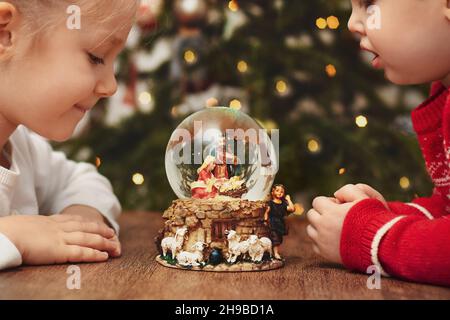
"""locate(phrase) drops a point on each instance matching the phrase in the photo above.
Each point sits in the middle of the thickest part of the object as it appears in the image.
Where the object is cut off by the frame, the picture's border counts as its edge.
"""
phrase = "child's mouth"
(80, 108)
(376, 62)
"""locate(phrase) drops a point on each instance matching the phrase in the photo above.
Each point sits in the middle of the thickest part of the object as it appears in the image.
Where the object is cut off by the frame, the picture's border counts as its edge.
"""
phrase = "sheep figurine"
(235, 246)
(267, 245)
(257, 247)
(194, 259)
(173, 243)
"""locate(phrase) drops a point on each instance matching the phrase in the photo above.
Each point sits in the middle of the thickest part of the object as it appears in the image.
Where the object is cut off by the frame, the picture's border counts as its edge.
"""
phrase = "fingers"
(350, 193)
(314, 236)
(90, 240)
(118, 252)
(371, 192)
(335, 200)
(83, 254)
(66, 217)
(322, 204)
(313, 217)
(312, 232)
(316, 249)
(88, 227)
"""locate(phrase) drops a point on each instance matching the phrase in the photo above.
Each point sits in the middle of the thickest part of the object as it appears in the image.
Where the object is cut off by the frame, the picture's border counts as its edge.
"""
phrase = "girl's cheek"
(84, 84)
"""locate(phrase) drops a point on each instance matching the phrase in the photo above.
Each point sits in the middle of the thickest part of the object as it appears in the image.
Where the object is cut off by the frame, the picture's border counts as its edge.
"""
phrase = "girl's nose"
(107, 85)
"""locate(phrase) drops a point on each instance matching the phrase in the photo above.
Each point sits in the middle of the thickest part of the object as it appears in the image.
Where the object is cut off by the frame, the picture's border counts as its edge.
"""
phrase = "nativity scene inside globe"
(221, 165)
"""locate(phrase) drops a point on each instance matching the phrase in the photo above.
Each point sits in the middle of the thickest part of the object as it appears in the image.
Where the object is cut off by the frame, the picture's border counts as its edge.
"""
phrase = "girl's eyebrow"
(111, 40)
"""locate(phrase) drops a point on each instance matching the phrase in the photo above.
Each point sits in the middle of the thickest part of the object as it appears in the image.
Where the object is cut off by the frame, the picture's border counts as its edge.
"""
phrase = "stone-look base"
(224, 267)
(204, 218)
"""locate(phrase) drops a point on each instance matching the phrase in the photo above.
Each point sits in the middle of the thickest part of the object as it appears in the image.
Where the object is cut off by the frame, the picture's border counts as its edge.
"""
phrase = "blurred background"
(291, 65)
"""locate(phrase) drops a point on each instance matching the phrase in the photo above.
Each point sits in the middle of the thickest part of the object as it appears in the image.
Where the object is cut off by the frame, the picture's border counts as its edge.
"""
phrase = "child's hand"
(326, 220)
(58, 239)
(360, 191)
(91, 214)
(328, 215)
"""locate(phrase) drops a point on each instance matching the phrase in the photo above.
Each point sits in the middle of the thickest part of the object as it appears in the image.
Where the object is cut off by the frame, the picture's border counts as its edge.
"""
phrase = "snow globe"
(221, 164)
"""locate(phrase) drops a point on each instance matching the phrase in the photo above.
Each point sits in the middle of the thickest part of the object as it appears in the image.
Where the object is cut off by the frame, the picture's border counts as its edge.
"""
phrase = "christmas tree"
(290, 64)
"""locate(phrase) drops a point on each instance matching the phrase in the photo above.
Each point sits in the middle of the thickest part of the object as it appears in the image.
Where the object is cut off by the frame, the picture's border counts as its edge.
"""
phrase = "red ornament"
(130, 93)
(148, 13)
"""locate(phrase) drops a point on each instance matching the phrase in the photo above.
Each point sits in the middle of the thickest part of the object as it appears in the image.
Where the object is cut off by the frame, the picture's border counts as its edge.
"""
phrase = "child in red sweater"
(358, 227)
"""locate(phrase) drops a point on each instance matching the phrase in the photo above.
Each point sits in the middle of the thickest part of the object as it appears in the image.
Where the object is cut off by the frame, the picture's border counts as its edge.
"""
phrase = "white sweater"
(43, 181)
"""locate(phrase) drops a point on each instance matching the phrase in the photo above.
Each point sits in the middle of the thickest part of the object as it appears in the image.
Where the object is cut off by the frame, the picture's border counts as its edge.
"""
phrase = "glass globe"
(244, 157)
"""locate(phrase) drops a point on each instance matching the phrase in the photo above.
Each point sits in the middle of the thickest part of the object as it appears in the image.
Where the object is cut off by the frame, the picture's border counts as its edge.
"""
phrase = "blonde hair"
(34, 11)
(39, 17)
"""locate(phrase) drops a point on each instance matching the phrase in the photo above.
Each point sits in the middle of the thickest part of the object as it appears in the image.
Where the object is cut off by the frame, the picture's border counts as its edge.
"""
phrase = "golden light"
(174, 112)
(270, 125)
(242, 66)
(145, 98)
(404, 183)
(299, 209)
(333, 22)
(212, 102)
(281, 86)
(98, 162)
(342, 171)
(138, 179)
(190, 57)
(321, 23)
(361, 121)
(190, 6)
(233, 5)
(330, 70)
(235, 104)
(313, 146)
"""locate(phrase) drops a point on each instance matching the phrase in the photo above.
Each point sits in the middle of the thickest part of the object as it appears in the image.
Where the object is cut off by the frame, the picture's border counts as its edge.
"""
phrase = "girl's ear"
(8, 15)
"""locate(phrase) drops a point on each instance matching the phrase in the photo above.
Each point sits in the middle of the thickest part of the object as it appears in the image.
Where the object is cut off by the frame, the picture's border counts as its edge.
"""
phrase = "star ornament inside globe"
(221, 164)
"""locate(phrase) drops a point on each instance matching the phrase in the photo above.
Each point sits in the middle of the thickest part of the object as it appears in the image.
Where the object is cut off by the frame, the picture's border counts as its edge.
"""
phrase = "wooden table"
(136, 275)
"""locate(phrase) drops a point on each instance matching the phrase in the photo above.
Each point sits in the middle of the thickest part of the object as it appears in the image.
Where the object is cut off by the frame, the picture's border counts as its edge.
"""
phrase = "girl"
(279, 207)
(53, 210)
(357, 227)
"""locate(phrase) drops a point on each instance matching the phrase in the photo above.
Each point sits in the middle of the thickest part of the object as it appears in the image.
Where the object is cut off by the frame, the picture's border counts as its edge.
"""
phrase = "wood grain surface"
(136, 275)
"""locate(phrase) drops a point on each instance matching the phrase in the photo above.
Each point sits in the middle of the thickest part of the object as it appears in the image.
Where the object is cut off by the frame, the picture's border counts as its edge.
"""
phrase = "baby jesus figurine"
(209, 186)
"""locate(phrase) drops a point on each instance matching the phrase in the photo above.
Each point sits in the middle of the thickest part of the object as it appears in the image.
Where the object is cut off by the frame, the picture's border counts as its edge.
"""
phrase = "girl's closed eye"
(95, 60)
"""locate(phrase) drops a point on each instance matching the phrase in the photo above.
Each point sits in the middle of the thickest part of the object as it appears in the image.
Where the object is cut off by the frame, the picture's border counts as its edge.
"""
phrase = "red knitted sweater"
(410, 240)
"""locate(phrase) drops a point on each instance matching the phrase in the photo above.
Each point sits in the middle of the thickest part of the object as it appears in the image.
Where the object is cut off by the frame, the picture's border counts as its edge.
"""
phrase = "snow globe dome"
(244, 156)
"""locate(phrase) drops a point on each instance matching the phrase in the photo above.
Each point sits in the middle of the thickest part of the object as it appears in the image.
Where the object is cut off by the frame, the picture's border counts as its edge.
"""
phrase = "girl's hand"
(59, 239)
(91, 214)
